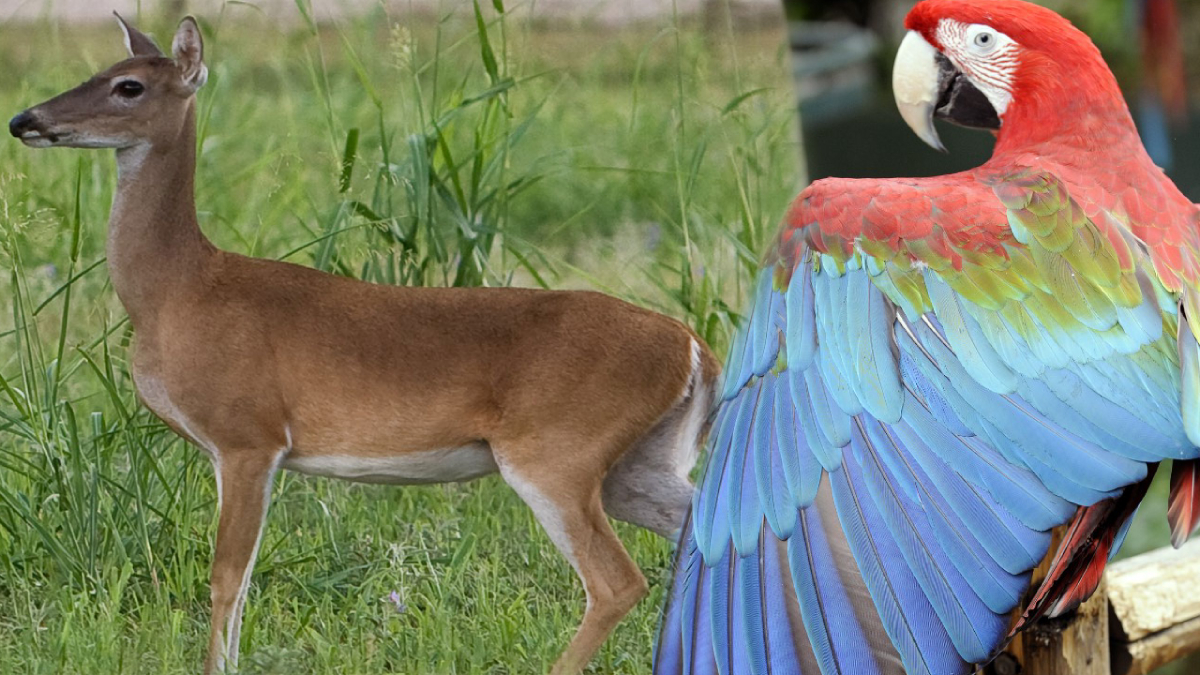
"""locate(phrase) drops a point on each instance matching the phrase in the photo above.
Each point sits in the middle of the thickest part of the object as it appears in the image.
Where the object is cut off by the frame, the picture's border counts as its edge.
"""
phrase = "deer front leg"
(244, 481)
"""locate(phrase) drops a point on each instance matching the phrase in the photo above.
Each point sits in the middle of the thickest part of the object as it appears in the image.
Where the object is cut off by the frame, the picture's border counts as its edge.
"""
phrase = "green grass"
(652, 163)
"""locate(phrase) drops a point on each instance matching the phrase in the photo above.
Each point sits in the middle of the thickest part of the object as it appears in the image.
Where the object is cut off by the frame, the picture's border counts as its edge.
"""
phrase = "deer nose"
(20, 124)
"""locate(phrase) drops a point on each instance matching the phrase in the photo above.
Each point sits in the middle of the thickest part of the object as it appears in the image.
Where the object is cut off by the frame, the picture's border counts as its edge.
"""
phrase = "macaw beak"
(916, 86)
(926, 84)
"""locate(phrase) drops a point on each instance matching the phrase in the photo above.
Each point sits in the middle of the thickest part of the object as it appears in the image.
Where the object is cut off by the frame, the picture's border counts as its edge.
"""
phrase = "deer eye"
(129, 88)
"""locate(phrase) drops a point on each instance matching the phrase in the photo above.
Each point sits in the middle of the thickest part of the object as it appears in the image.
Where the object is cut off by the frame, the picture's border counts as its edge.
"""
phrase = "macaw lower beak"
(927, 84)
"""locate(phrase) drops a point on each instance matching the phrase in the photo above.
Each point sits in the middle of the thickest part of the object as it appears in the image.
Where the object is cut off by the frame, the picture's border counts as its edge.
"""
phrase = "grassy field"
(651, 163)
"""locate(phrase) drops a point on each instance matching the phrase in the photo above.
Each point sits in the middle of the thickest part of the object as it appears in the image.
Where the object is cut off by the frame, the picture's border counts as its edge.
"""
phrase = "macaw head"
(1005, 65)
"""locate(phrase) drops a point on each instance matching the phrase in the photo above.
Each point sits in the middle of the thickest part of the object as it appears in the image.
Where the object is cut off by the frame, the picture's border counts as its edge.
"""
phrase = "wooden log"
(1155, 591)
(1073, 645)
(1156, 650)
(1155, 601)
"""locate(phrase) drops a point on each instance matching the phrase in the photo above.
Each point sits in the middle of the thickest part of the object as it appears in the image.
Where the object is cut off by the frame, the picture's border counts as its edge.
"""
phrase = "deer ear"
(137, 43)
(188, 50)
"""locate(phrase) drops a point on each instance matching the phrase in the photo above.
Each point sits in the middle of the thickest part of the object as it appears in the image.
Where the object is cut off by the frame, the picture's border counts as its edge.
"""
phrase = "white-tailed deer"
(583, 403)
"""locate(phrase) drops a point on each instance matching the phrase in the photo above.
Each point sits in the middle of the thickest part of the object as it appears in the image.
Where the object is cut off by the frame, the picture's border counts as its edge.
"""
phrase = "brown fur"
(266, 364)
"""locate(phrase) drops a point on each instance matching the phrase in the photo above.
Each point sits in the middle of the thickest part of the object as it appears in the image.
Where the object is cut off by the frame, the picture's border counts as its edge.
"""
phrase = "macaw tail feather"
(1183, 512)
(1094, 535)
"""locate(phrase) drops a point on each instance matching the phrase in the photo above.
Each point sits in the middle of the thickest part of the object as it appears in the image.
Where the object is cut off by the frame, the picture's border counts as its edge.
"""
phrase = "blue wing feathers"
(978, 463)
(973, 536)
(720, 603)
(1030, 435)
(751, 601)
(801, 318)
(837, 638)
(1119, 381)
(746, 639)
(786, 641)
(1063, 397)
(755, 348)
(1009, 541)
(732, 380)
(698, 658)
(745, 512)
(973, 628)
(880, 436)
(1189, 366)
(832, 363)
(904, 611)
(801, 471)
(931, 398)
(671, 646)
(800, 554)
(874, 501)
(869, 317)
(1007, 343)
(763, 328)
(775, 490)
(977, 356)
(711, 523)
(826, 428)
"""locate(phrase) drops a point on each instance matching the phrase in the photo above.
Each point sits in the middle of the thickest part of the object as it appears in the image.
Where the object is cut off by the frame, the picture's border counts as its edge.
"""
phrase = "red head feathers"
(1057, 81)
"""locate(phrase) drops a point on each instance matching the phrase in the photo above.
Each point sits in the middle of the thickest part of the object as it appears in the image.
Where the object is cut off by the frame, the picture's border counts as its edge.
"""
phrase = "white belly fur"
(446, 465)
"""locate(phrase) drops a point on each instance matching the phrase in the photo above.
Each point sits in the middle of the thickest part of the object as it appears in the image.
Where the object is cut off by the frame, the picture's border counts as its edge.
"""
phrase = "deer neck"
(155, 246)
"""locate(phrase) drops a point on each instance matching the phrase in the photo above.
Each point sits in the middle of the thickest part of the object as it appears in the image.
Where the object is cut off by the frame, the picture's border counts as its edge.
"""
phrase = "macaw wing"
(935, 373)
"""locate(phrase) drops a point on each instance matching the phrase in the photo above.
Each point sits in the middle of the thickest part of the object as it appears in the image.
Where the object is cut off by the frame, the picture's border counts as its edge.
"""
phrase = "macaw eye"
(129, 89)
(982, 40)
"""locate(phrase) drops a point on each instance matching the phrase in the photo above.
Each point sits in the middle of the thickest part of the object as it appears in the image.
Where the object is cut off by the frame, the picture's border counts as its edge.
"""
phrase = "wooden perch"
(1155, 601)
(1145, 615)
(1076, 645)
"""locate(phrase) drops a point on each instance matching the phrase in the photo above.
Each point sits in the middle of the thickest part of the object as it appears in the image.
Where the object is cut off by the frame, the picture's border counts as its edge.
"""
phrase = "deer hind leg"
(649, 485)
(244, 491)
(575, 521)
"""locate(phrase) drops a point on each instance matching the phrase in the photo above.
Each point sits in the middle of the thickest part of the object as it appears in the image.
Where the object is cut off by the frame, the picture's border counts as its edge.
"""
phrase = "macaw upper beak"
(926, 84)
(916, 84)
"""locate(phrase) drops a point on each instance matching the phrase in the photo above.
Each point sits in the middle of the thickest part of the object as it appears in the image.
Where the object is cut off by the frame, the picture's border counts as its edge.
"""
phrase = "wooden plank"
(1155, 591)
(1157, 650)
(1074, 645)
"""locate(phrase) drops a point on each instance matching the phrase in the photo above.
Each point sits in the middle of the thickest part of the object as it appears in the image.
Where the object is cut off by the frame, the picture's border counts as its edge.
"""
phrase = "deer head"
(142, 99)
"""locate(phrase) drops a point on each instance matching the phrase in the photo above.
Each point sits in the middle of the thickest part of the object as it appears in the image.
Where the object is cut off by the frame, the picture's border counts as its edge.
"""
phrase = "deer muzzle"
(27, 127)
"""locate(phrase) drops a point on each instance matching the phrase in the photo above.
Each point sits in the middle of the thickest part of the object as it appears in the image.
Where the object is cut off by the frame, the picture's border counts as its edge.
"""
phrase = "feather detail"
(1183, 511)
(710, 502)
(1079, 562)
(801, 471)
(776, 470)
(962, 332)
(869, 327)
(1189, 367)
(745, 513)
(800, 306)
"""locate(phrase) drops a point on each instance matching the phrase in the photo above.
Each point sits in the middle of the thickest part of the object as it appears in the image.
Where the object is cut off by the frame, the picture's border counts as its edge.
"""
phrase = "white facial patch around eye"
(986, 56)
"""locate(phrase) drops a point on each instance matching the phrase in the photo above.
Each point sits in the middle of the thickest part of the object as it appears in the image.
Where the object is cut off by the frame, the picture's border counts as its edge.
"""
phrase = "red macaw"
(939, 371)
